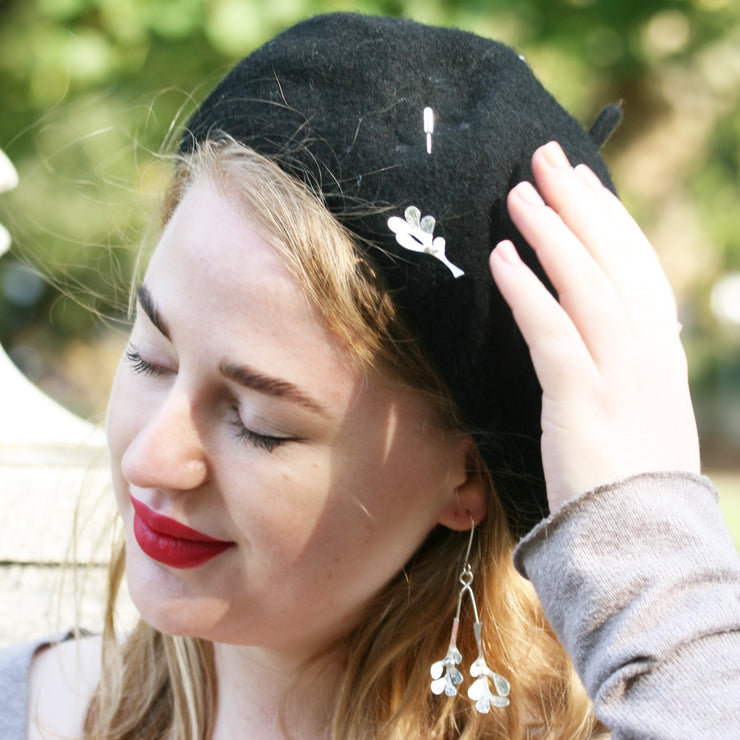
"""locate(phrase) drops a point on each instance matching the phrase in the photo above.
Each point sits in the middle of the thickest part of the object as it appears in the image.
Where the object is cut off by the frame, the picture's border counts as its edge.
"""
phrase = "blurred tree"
(93, 90)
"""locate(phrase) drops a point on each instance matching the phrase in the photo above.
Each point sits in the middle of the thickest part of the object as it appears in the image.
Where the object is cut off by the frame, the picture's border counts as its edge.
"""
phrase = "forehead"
(211, 235)
(217, 281)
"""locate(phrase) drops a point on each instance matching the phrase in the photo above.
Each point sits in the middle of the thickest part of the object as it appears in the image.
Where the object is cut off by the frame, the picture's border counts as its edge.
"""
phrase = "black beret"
(338, 101)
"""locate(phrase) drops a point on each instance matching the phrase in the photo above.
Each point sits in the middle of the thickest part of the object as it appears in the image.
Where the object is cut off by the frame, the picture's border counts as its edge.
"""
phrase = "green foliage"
(716, 188)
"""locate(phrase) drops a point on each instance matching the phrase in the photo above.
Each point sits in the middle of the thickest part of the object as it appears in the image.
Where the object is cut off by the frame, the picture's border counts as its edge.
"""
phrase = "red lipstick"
(171, 543)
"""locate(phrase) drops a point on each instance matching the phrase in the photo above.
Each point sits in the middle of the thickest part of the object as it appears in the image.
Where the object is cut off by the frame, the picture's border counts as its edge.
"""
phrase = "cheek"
(400, 485)
(278, 499)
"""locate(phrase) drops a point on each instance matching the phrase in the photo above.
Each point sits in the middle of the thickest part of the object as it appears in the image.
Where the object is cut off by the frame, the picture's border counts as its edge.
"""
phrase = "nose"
(167, 452)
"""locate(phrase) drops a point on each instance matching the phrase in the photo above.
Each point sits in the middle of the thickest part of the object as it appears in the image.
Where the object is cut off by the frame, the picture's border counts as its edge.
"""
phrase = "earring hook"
(466, 576)
(470, 539)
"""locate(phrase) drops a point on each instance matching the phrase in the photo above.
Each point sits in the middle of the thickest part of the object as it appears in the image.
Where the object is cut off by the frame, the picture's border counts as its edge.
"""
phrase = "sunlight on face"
(237, 414)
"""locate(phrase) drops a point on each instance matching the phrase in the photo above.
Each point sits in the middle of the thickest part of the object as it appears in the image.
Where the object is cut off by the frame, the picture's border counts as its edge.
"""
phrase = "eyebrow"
(150, 309)
(241, 374)
(256, 381)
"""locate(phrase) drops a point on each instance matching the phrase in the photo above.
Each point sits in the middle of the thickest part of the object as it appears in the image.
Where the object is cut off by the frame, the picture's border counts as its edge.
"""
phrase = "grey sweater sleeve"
(641, 582)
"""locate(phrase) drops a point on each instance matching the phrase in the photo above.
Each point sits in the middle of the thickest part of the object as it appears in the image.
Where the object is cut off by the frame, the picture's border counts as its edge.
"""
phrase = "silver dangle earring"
(446, 677)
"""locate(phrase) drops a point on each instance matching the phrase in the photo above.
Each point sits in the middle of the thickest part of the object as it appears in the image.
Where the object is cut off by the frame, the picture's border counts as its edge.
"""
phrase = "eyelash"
(262, 441)
(138, 364)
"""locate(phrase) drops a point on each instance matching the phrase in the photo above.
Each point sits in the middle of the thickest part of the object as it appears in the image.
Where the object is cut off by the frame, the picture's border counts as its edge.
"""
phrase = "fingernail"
(555, 155)
(588, 176)
(527, 192)
(507, 252)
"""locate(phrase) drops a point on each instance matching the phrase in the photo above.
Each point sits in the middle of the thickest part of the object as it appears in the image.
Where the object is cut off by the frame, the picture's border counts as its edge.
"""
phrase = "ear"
(469, 497)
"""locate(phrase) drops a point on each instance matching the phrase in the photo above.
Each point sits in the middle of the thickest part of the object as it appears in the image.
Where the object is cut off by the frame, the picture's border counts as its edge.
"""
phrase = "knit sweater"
(641, 582)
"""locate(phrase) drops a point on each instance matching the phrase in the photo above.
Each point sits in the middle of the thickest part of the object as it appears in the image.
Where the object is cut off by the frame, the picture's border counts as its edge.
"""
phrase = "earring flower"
(452, 677)
(480, 691)
(417, 234)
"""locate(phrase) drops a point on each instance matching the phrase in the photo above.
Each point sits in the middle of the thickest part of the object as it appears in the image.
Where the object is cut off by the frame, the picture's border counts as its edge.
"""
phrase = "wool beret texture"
(338, 102)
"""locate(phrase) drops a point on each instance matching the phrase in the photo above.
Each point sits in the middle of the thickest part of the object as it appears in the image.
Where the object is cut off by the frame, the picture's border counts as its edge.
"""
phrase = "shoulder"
(14, 669)
(62, 679)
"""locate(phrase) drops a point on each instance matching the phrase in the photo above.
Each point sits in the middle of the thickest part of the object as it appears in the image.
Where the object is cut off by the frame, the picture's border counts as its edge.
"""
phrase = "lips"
(171, 543)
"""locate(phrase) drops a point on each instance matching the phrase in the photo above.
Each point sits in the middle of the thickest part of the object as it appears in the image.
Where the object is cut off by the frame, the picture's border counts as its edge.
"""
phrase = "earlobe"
(468, 500)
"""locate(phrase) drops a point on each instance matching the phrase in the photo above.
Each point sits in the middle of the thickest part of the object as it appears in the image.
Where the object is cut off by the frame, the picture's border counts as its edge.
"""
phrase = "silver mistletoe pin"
(417, 234)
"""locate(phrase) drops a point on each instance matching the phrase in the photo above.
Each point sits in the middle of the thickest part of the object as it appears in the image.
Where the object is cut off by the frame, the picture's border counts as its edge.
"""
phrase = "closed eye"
(139, 365)
(263, 441)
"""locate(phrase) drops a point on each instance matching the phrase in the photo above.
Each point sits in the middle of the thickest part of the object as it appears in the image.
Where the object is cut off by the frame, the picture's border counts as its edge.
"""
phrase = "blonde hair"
(156, 685)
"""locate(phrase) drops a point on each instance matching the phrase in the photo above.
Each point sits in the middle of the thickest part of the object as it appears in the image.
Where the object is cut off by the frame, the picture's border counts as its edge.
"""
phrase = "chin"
(171, 605)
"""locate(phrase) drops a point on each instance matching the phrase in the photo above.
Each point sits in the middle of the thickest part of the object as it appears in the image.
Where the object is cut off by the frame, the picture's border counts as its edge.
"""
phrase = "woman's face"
(234, 412)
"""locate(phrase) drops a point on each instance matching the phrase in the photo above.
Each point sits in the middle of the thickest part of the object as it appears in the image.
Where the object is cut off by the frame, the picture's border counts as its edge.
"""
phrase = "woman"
(325, 431)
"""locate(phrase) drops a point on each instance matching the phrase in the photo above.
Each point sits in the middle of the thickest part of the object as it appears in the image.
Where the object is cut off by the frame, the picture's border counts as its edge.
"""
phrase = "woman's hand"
(608, 356)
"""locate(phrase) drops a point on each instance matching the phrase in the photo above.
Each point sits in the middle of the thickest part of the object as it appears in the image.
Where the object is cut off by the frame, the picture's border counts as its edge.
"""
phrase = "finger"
(610, 235)
(643, 277)
(584, 290)
(560, 357)
(636, 245)
(579, 205)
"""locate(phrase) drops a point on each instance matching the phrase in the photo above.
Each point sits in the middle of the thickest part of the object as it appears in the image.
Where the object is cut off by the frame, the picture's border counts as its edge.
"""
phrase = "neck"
(266, 695)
